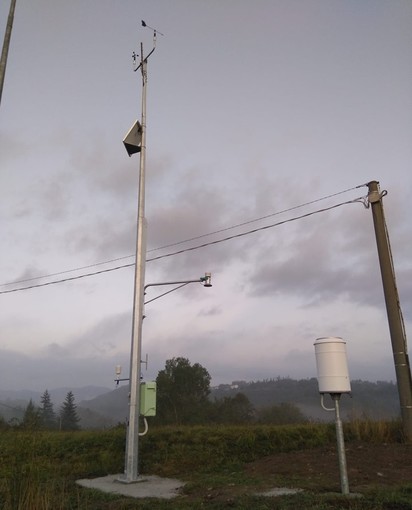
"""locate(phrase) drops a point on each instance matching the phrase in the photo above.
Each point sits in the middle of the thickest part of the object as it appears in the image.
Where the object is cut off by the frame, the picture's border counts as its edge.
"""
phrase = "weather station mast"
(135, 142)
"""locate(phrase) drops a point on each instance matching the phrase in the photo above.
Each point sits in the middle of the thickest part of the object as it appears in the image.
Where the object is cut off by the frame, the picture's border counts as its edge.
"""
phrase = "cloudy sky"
(259, 112)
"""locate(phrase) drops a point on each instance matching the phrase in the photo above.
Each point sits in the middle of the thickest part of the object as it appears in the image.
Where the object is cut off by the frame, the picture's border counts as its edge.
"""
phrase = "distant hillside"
(57, 394)
(84, 393)
(100, 408)
(14, 402)
(113, 406)
(373, 400)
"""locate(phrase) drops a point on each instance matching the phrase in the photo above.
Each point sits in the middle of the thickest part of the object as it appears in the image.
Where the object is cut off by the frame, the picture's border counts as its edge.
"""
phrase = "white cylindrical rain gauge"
(332, 365)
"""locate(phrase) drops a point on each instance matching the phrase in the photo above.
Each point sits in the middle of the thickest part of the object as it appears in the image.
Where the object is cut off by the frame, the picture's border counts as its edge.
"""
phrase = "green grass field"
(38, 470)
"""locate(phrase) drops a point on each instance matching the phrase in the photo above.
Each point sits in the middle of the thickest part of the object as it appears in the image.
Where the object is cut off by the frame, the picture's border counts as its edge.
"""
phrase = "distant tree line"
(43, 417)
(183, 397)
(374, 400)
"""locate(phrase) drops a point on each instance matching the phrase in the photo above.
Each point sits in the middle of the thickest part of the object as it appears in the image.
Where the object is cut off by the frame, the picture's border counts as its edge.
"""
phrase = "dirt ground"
(368, 466)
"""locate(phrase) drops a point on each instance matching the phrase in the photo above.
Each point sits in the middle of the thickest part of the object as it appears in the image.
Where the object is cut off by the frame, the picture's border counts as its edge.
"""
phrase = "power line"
(258, 219)
(226, 229)
(67, 271)
(360, 199)
(67, 279)
(242, 234)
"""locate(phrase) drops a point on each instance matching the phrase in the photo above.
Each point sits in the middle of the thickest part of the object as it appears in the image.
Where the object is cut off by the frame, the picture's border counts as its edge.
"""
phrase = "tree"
(182, 392)
(31, 418)
(283, 414)
(47, 414)
(237, 409)
(68, 414)
(3, 424)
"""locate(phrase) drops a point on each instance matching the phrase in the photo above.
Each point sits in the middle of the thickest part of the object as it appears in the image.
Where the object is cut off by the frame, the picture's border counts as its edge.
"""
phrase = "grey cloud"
(104, 238)
(213, 310)
(13, 147)
(55, 201)
(43, 190)
(111, 173)
(91, 357)
(324, 258)
(101, 172)
(69, 190)
(225, 366)
(29, 273)
(18, 371)
(107, 338)
(86, 359)
(181, 222)
(21, 210)
(56, 351)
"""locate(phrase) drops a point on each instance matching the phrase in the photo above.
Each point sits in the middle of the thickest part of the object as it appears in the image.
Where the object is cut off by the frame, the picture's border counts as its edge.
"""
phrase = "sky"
(258, 112)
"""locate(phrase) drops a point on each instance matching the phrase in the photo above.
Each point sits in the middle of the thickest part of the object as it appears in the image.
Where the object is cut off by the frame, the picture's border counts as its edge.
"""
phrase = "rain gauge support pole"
(344, 483)
(393, 309)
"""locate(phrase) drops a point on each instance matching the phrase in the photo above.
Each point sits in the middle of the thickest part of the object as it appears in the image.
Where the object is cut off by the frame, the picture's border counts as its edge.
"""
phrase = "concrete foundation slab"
(279, 491)
(147, 487)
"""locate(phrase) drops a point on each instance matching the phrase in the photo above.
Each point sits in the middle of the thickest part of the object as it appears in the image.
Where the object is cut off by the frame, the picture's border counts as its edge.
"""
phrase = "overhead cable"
(242, 234)
(360, 199)
(80, 268)
(66, 271)
(311, 202)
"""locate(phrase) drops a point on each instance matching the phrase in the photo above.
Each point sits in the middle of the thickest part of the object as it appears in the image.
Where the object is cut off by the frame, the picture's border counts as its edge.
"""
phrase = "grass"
(38, 470)
(374, 431)
(177, 451)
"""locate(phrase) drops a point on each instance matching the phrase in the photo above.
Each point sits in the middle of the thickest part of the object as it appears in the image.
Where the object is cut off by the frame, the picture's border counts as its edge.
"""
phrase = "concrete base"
(284, 491)
(145, 487)
(279, 491)
(339, 494)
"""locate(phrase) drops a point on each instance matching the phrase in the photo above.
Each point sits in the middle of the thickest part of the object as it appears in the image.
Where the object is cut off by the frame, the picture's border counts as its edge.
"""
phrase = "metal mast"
(132, 439)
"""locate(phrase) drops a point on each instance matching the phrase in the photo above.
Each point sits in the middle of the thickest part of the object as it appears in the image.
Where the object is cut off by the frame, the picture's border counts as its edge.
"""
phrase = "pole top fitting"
(376, 195)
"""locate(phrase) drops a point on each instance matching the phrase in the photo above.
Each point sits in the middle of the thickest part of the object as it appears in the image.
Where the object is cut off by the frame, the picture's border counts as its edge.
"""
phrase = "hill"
(112, 406)
(100, 408)
(375, 400)
(14, 402)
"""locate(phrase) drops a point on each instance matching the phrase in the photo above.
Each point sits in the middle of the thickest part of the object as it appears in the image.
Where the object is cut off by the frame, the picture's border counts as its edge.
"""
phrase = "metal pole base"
(123, 479)
(341, 447)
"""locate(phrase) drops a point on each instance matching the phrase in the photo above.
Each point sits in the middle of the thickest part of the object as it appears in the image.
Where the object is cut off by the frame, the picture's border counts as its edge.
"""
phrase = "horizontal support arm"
(206, 280)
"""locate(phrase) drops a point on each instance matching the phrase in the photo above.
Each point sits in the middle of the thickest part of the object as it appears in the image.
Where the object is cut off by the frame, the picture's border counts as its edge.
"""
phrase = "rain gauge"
(333, 378)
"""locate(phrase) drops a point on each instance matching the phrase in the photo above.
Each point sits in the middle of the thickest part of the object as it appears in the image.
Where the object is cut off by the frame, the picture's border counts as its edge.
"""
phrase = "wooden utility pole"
(6, 44)
(393, 309)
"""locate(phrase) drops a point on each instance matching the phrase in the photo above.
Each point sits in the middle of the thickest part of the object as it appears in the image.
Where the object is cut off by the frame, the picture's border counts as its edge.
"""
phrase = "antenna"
(146, 361)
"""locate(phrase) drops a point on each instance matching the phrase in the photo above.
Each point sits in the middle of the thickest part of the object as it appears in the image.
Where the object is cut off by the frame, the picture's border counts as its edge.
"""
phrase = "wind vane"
(135, 55)
(144, 24)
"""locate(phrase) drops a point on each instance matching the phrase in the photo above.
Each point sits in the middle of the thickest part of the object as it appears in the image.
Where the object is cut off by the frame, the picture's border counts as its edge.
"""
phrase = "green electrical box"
(148, 398)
